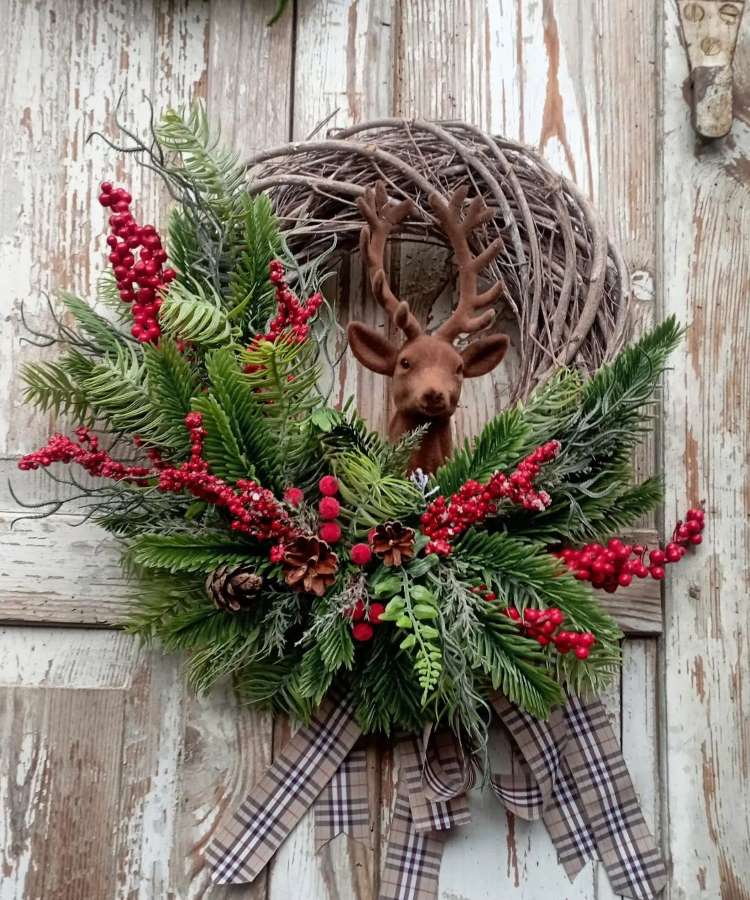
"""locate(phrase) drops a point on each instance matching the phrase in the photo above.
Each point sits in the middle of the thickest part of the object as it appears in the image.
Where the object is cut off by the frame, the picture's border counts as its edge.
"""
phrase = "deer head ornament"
(427, 370)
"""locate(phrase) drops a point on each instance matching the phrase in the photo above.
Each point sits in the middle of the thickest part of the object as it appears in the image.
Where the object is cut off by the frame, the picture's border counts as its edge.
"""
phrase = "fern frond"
(194, 315)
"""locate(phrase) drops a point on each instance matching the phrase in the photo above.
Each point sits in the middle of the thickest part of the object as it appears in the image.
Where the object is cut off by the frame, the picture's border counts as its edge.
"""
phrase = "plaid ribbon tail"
(343, 806)
(433, 775)
(243, 846)
(626, 846)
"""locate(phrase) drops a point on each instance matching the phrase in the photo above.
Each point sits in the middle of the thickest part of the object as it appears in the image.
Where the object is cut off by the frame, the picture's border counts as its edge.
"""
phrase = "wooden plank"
(249, 74)
(91, 731)
(705, 273)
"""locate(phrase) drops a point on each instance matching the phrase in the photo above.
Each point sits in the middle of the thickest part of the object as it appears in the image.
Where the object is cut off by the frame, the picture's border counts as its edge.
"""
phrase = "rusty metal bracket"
(711, 28)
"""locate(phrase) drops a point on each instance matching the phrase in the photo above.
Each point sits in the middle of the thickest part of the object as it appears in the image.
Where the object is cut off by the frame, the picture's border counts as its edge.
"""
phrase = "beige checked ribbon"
(572, 776)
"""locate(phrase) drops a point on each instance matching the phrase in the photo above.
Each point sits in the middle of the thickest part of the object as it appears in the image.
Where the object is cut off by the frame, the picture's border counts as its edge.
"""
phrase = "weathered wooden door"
(111, 774)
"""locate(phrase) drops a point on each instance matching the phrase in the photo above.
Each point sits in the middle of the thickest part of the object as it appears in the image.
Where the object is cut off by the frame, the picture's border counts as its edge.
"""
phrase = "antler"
(382, 216)
(467, 316)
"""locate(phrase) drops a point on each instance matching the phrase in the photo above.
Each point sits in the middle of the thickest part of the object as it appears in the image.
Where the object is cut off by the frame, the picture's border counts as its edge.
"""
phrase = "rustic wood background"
(111, 774)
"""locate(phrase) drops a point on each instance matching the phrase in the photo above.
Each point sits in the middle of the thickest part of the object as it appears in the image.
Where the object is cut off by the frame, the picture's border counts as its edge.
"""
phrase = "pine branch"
(385, 691)
(116, 389)
(171, 385)
(248, 419)
(370, 495)
(524, 574)
(190, 552)
(250, 290)
(52, 386)
(500, 445)
(221, 450)
(102, 334)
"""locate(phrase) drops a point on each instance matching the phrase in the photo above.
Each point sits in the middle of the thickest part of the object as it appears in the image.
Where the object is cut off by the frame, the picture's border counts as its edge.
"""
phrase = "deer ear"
(371, 348)
(481, 356)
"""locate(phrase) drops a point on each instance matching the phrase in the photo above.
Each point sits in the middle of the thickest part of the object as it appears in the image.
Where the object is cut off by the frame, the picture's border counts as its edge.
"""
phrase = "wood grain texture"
(705, 273)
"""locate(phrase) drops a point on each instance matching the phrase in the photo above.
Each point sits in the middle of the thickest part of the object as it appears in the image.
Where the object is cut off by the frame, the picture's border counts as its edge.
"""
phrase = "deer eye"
(404, 363)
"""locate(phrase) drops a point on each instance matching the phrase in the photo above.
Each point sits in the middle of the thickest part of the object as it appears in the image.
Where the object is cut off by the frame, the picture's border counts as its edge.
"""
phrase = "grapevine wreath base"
(284, 544)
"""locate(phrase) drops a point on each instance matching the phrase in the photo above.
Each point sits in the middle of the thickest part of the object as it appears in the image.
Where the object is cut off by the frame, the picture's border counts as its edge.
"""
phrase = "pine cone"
(232, 588)
(393, 543)
(310, 565)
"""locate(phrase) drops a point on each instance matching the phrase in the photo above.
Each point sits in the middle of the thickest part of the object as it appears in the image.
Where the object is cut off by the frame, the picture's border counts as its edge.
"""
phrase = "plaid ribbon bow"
(573, 777)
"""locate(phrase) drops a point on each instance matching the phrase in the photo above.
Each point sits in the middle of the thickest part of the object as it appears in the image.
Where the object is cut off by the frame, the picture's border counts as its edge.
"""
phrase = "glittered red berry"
(328, 486)
(329, 508)
(294, 496)
(363, 631)
(330, 532)
(582, 652)
(361, 554)
(625, 579)
(657, 572)
(375, 612)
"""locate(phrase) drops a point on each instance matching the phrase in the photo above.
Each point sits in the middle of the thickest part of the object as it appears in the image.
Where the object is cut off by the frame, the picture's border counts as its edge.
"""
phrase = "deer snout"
(435, 402)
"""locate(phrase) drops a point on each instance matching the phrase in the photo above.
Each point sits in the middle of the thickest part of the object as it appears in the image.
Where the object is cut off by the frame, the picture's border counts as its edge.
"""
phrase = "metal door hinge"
(711, 28)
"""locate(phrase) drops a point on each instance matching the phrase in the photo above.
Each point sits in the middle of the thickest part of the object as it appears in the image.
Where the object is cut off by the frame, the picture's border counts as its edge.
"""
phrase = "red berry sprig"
(616, 564)
(363, 618)
(444, 520)
(141, 282)
(253, 509)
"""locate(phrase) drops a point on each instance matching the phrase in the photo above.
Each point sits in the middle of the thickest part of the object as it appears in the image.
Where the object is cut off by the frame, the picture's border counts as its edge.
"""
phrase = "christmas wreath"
(284, 543)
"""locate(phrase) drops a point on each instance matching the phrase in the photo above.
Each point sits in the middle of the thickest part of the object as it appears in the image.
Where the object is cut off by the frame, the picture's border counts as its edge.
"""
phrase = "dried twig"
(568, 288)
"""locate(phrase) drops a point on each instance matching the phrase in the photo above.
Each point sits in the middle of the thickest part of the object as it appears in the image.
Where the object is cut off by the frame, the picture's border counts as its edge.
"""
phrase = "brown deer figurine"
(427, 370)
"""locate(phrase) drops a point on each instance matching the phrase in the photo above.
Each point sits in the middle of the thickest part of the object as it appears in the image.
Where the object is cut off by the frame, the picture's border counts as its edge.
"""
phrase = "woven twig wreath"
(567, 284)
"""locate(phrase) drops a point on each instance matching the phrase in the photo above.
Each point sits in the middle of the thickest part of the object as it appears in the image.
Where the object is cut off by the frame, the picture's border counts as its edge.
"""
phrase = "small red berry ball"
(376, 610)
(294, 496)
(357, 612)
(330, 532)
(329, 508)
(361, 554)
(363, 631)
(328, 486)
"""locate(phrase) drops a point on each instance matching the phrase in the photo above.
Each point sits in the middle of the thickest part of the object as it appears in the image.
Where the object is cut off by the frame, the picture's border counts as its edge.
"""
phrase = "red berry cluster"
(444, 519)
(363, 618)
(292, 315)
(142, 281)
(328, 509)
(544, 626)
(87, 454)
(618, 563)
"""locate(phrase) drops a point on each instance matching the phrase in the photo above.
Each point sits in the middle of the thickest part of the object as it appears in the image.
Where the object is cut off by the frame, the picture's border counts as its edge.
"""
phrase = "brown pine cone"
(310, 565)
(232, 588)
(393, 543)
